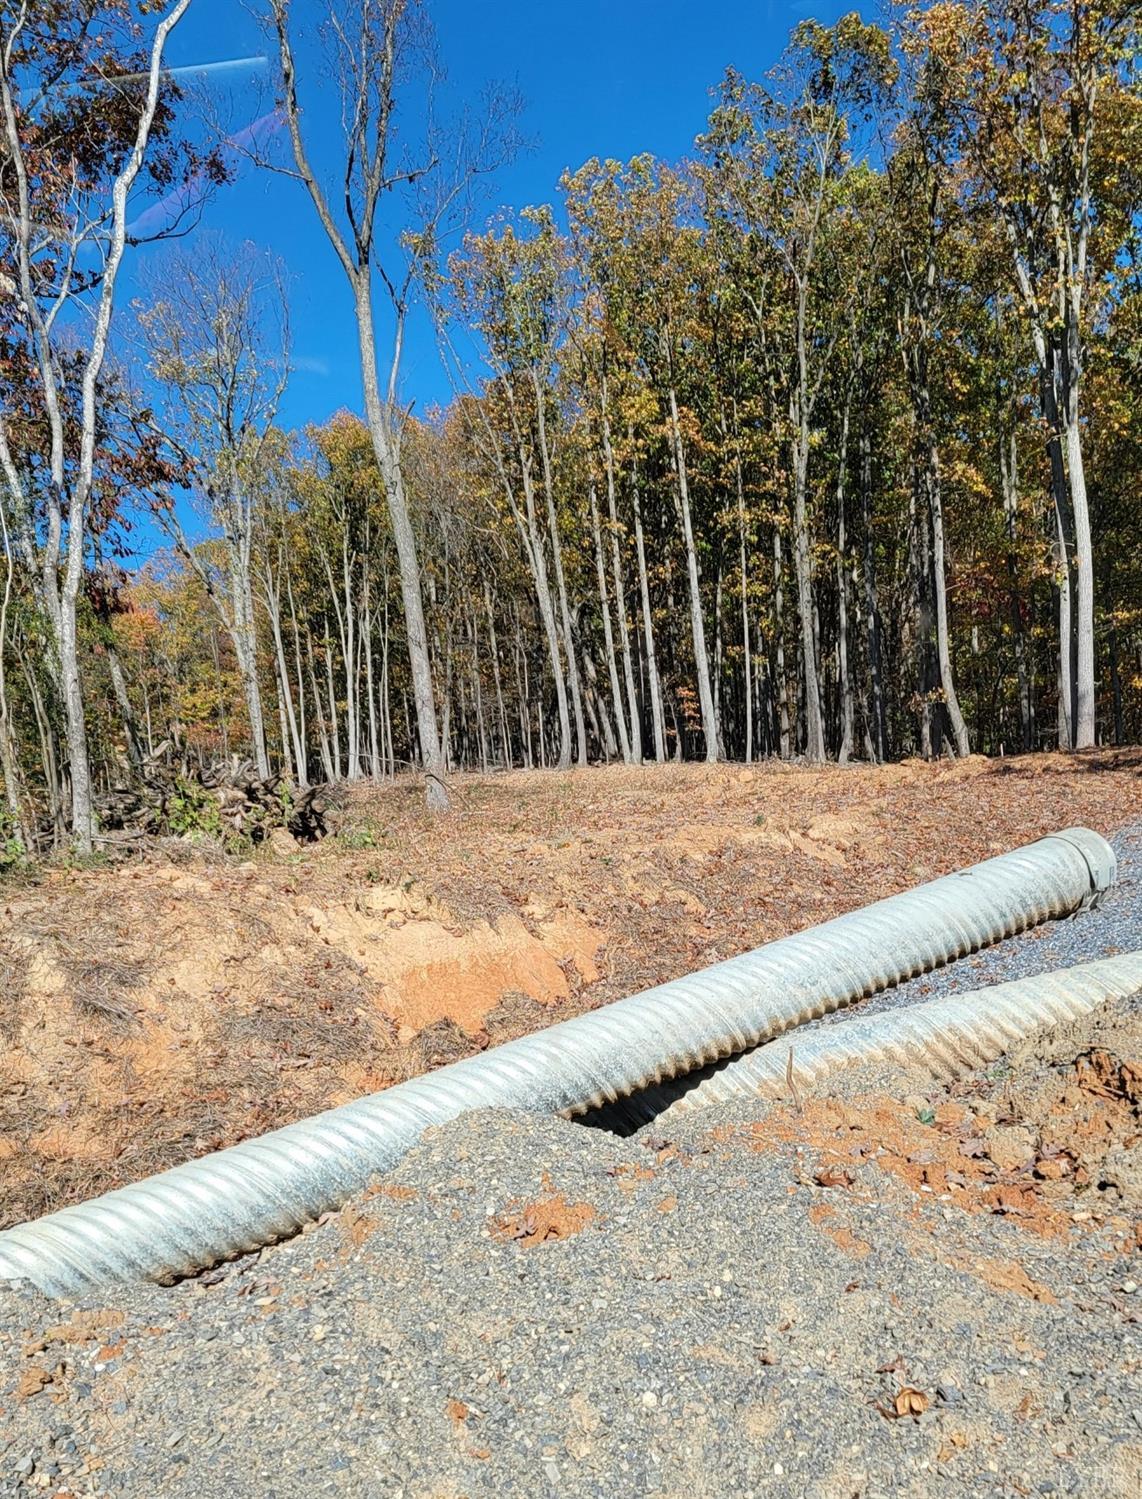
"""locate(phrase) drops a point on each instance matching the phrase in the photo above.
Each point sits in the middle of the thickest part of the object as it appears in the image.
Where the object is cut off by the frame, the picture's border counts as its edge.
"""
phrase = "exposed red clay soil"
(547, 1218)
(169, 1006)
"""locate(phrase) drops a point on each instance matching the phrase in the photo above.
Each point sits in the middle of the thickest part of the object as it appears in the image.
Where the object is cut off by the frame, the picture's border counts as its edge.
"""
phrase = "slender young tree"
(67, 179)
(217, 343)
(378, 52)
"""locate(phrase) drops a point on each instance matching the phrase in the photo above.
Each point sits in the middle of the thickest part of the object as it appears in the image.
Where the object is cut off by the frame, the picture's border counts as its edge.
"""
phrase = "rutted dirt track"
(175, 1004)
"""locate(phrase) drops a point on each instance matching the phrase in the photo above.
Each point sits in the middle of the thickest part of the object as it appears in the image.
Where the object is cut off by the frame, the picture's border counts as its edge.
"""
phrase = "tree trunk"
(9, 758)
(697, 623)
(1063, 549)
(331, 705)
(633, 709)
(719, 723)
(388, 745)
(522, 697)
(302, 721)
(814, 724)
(295, 736)
(366, 633)
(1084, 603)
(123, 702)
(943, 644)
(656, 711)
(319, 710)
(871, 603)
(477, 690)
(744, 576)
(783, 736)
(347, 616)
(845, 680)
(283, 731)
(501, 712)
(79, 765)
(386, 446)
(1116, 686)
(597, 711)
(527, 527)
(537, 555)
(560, 576)
(49, 759)
(921, 567)
(1009, 481)
(246, 650)
(608, 633)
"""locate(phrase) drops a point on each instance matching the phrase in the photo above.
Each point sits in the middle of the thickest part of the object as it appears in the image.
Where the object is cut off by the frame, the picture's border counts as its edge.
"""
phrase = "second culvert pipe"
(943, 1038)
(267, 1188)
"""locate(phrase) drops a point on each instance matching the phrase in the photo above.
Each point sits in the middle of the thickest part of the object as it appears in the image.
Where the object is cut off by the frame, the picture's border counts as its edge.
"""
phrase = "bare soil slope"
(169, 1006)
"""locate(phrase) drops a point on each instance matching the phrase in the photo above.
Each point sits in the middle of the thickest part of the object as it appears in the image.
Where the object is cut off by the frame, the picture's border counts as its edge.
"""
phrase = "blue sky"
(598, 79)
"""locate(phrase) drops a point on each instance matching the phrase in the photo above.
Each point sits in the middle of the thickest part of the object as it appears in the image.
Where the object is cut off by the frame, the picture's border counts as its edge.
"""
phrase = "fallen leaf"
(834, 1176)
(911, 1402)
(32, 1381)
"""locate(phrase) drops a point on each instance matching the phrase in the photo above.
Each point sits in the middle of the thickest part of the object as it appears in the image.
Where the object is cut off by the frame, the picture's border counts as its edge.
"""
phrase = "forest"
(824, 442)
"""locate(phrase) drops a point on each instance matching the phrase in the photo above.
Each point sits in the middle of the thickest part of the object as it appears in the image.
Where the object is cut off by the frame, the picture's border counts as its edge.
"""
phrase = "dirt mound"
(157, 1013)
(1078, 1093)
(427, 966)
(1049, 1137)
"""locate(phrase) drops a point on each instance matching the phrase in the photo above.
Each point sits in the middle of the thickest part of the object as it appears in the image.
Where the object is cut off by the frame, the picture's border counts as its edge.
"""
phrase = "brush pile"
(228, 798)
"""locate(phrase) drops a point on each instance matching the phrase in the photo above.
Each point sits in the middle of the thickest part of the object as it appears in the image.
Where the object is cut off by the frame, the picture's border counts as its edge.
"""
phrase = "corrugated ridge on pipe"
(945, 1037)
(267, 1188)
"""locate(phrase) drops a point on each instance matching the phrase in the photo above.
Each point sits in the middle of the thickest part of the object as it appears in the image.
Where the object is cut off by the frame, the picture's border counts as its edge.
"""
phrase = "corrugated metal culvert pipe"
(942, 1037)
(266, 1189)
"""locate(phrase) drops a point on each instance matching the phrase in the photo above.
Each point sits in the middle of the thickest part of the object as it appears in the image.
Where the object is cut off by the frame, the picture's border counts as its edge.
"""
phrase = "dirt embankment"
(167, 1007)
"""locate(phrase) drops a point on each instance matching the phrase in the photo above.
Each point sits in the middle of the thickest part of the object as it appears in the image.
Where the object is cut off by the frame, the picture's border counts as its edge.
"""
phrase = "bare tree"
(379, 54)
(64, 207)
(217, 342)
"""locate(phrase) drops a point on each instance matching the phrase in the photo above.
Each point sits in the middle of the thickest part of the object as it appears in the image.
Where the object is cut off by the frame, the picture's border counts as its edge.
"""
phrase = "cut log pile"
(228, 798)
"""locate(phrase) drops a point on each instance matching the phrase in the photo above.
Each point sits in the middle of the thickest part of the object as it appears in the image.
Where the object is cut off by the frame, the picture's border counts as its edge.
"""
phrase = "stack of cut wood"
(251, 805)
(229, 797)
